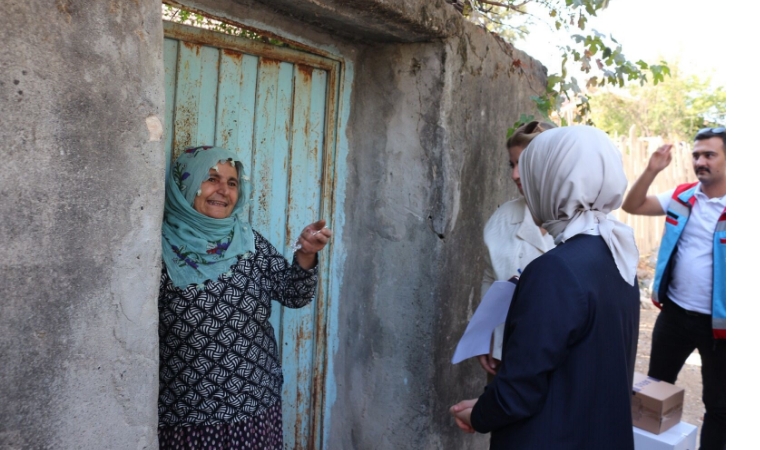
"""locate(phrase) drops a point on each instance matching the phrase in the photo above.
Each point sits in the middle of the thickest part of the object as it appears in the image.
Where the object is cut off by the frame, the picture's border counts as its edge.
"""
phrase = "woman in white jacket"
(512, 238)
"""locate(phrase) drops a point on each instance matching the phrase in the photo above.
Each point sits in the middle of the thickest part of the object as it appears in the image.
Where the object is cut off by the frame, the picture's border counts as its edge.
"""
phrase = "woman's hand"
(461, 412)
(313, 238)
(489, 363)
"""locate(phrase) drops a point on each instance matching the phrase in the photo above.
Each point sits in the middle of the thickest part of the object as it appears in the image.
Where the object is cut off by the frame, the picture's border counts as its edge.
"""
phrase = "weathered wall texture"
(80, 219)
(373, 20)
(427, 168)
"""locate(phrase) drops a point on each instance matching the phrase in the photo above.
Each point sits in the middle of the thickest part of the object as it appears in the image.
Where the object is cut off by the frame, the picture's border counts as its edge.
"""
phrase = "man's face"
(709, 159)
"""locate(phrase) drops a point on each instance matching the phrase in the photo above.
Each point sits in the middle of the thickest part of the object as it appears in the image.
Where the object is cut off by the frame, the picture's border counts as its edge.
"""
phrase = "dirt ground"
(690, 377)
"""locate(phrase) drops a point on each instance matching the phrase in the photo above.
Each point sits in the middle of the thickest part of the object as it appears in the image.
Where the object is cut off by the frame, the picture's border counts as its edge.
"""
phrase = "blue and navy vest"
(675, 222)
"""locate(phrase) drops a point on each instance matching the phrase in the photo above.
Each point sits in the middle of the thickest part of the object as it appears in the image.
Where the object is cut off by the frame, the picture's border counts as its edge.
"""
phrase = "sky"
(690, 31)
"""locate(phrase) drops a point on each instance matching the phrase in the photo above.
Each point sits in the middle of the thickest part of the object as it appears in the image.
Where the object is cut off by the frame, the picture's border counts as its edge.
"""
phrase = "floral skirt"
(262, 432)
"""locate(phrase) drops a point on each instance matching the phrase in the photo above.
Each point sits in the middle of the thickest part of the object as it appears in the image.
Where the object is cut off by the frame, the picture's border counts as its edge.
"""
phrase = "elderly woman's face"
(219, 193)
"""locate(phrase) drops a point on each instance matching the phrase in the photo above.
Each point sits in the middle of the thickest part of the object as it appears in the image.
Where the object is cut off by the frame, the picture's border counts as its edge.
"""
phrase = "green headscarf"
(196, 247)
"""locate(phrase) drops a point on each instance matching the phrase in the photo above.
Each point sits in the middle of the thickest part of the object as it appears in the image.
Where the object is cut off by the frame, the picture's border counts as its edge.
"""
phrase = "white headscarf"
(572, 178)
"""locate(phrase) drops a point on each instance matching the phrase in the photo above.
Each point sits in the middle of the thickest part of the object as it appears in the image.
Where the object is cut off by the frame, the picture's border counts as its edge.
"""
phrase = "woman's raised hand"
(312, 239)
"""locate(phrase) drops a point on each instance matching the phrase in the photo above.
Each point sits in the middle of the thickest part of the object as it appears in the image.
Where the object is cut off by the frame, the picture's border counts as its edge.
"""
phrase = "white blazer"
(513, 241)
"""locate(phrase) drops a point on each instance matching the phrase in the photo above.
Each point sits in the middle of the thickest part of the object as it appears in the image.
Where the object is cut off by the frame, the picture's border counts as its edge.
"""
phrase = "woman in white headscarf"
(572, 329)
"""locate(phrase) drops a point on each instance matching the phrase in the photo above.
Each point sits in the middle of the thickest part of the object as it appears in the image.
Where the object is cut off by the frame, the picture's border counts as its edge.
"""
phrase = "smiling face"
(219, 193)
(709, 159)
(514, 158)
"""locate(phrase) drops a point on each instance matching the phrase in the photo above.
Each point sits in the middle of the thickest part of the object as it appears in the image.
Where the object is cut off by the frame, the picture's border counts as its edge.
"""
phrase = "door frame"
(335, 73)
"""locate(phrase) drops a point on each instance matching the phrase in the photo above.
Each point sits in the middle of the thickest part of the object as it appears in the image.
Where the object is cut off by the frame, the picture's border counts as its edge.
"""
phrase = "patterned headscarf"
(196, 247)
(573, 178)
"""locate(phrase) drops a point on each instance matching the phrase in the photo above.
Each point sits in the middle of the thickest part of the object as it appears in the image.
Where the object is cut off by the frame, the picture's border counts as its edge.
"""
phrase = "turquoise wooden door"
(275, 107)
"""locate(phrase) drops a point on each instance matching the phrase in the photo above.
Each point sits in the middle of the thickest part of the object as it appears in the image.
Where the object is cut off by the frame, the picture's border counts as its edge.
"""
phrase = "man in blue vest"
(690, 278)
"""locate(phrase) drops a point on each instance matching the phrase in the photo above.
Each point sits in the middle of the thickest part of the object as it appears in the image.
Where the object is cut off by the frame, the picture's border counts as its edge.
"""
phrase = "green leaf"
(574, 85)
(523, 120)
(552, 80)
(595, 53)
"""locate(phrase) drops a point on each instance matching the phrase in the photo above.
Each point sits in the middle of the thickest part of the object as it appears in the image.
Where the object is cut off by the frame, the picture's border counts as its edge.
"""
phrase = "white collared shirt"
(513, 241)
(691, 284)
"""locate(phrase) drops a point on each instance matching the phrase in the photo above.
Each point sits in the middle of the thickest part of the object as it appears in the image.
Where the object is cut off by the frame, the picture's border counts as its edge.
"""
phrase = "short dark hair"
(708, 133)
(525, 133)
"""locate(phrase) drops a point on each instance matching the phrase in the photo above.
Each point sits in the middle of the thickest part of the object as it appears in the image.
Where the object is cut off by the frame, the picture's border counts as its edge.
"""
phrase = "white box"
(683, 436)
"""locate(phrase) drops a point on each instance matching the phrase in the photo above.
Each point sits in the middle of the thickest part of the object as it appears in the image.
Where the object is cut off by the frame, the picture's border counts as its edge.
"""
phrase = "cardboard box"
(655, 405)
(682, 436)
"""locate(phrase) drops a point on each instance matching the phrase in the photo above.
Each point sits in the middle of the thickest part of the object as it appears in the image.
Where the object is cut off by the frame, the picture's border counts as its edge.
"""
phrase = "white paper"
(491, 312)
(498, 340)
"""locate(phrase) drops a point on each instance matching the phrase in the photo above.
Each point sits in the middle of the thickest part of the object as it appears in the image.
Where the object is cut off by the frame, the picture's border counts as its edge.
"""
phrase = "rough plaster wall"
(384, 375)
(81, 212)
(487, 94)
(428, 166)
(374, 20)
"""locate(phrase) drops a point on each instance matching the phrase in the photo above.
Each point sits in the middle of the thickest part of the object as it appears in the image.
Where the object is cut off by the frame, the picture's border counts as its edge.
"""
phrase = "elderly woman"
(571, 333)
(220, 374)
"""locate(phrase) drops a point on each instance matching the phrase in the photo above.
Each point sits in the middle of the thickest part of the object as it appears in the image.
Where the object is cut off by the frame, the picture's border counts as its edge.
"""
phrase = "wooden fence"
(636, 152)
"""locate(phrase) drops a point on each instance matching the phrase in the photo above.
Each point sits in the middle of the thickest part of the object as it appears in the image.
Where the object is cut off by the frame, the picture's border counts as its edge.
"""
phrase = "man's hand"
(489, 363)
(660, 159)
(637, 201)
(462, 412)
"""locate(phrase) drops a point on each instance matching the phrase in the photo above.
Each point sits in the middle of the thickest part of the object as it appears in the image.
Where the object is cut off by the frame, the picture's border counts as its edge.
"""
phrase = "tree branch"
(503, 5)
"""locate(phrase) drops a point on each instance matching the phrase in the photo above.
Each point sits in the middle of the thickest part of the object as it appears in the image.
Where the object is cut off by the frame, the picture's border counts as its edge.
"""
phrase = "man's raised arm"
(637, 201)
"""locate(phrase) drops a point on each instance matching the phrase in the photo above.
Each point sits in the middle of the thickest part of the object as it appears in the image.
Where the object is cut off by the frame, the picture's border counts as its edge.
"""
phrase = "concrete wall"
(372, 20)
(427, 167)
(80, 219)
(427, 102)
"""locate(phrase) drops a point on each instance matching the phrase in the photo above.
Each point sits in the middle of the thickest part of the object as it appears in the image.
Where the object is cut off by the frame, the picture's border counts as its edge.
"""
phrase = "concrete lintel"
(374, 20)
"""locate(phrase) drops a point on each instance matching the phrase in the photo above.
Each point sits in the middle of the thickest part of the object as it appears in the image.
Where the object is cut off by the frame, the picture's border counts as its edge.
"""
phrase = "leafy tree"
(512, 22)
(674, 109)
(196, 19)
(599, 56)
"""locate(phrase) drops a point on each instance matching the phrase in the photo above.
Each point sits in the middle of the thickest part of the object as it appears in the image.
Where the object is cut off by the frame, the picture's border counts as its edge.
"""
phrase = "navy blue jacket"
(568, 357)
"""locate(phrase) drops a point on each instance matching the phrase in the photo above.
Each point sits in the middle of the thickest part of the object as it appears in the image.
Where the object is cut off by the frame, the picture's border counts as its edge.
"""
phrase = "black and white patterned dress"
(219, 362)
